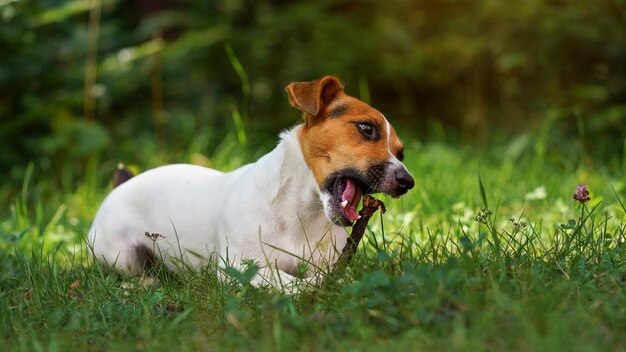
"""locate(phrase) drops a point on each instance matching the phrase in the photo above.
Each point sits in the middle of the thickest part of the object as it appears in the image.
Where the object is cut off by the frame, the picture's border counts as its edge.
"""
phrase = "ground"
(488, 252)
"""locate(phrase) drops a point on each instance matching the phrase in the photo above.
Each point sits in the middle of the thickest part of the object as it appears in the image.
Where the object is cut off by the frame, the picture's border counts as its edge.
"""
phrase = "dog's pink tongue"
(352, 195)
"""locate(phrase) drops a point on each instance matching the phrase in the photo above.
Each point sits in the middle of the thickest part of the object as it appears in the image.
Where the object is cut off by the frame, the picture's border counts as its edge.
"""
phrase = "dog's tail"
(121, 175)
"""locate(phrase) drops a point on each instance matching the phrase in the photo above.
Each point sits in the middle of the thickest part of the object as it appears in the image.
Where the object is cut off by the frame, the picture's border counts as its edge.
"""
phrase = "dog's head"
(350, 147)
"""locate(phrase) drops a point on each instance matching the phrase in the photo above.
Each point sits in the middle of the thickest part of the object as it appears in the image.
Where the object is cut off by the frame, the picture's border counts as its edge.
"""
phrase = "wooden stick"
(370, 205)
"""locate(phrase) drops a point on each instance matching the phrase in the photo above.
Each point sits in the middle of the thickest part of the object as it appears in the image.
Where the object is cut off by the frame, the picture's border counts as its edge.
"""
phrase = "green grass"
(507, 263)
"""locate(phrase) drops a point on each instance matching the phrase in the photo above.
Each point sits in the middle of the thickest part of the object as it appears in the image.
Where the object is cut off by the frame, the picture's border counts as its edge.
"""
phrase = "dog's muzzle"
(390, 178)
(343, 189)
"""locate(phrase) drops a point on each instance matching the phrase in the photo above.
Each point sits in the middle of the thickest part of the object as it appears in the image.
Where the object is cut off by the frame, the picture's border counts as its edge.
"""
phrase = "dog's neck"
(289, 207)
(297, 189)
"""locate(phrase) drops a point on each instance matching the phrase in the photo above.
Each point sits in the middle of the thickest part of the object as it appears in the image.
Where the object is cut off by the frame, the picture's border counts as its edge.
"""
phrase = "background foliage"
(158, 81)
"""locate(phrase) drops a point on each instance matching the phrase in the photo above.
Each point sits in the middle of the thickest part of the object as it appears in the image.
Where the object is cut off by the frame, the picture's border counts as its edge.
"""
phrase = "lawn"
(488, 252)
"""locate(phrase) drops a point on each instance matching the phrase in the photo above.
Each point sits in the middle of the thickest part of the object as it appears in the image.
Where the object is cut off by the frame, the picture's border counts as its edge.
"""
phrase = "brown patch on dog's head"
(313, 97)
(345, 138)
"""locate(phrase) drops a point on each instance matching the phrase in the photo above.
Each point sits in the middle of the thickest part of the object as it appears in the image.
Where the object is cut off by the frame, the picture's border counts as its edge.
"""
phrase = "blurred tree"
(164, 80)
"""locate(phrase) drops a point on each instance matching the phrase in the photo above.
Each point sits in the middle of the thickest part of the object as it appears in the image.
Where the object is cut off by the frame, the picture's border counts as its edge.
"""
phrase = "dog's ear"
(313, 97)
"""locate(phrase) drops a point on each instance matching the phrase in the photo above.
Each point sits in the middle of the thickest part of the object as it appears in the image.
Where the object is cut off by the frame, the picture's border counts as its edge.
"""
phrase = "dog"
(288, 212)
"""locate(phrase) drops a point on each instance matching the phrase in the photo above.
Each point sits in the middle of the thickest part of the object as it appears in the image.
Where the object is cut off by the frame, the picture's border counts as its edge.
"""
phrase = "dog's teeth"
(358, 217)
(344, 204)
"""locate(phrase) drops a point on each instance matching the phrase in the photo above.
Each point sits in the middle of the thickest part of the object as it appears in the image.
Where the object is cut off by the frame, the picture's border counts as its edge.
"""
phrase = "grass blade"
(618, 199)
(483, 194)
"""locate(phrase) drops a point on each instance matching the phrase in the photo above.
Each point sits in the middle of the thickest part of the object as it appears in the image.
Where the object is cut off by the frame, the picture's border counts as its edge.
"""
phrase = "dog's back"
(152, 202)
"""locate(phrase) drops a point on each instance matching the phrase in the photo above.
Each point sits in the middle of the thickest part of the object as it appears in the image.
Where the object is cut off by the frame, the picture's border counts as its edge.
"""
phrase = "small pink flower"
(582, 194)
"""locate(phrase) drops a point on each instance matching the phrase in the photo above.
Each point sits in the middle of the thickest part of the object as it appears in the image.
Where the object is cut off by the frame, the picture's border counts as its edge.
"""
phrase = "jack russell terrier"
(287, 211)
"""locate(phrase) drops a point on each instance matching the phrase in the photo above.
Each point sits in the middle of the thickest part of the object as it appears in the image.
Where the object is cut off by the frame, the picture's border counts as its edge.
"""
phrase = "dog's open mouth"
(343, 191)
(347, 192)
(350, 197)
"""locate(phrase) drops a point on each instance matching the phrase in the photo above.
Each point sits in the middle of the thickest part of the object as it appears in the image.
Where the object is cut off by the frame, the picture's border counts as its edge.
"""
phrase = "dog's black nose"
(405, 181)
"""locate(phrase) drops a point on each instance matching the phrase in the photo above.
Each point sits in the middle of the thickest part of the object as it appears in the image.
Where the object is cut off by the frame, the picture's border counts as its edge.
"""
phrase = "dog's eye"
(400, 155)
(367, 130)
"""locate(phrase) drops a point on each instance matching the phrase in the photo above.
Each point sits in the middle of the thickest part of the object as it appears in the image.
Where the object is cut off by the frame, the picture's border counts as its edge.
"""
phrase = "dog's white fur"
(269, 211)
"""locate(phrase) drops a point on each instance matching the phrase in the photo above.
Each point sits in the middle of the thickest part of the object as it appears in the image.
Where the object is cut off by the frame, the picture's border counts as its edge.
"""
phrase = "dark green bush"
(164, 78)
